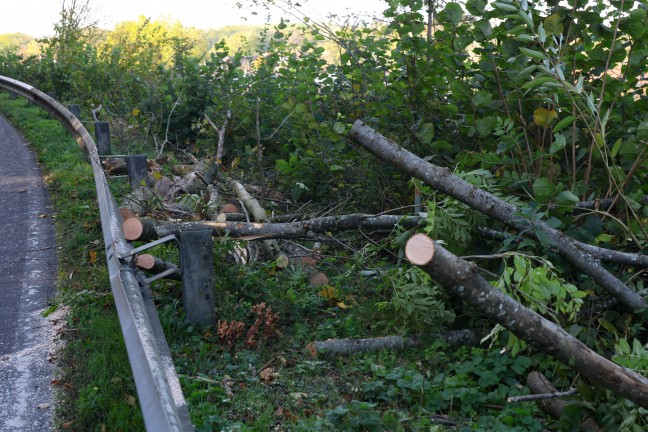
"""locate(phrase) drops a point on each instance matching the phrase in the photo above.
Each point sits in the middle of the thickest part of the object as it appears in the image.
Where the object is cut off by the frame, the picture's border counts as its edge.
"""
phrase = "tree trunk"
(443, 180)
(148, 229)
(462, 279)
(539, 384)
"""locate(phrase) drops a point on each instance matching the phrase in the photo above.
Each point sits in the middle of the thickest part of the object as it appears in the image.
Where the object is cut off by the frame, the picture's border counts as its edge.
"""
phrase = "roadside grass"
(96, 391)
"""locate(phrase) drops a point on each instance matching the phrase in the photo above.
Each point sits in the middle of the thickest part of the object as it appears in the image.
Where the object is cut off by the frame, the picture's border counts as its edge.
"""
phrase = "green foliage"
(541, 104)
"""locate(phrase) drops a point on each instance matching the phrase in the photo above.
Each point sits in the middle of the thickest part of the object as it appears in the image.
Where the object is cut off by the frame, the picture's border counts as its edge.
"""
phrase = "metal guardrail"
(158, 388)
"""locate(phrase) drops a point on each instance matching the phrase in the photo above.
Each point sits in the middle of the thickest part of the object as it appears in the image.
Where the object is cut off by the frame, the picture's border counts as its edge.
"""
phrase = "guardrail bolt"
(197, 267)
(76, 110)
(102, 134)
(137, 169)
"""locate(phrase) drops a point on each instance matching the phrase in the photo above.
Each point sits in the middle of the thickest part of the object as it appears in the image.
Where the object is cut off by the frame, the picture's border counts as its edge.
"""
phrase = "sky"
(37, 17)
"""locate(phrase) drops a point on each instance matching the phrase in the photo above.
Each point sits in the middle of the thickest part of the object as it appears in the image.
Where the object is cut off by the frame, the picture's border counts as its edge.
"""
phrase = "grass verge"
(96, 387)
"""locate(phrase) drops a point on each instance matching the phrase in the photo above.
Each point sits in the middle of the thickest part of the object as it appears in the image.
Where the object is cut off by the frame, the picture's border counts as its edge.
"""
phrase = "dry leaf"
(268, 375)
(67, 425)
(43, 406)
(93, 257)
(130, 400)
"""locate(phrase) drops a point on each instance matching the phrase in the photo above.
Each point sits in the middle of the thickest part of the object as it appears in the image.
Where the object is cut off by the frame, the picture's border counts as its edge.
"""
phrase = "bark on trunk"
(148, 229)
(462, 279)
(608, 255)
(259, 215)
(443, 180)
(539, 384)
(333, 347)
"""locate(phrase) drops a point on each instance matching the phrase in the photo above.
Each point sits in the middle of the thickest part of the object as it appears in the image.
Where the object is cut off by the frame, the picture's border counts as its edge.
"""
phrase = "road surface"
(27, 282)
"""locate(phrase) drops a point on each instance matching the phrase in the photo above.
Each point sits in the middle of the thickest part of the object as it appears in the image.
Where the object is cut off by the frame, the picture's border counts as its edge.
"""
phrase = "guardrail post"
(197, 267)
(76, 110)
(102, 134)
(137, 169)
(13, 95)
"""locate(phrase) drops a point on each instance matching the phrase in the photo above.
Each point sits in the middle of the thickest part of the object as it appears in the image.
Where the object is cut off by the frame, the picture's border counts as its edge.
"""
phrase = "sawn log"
(461, 278)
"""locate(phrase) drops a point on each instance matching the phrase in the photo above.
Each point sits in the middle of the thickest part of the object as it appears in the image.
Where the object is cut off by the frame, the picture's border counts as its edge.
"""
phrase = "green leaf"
(562, 124)
(486, 125)
(635, 23)
(543, 189)
(566, 199)
(482, 98)
(339, 128)
(425, 133)
(558, 144)
(476, 7)
(537, 82)
(553, 24)
(616, 147)
(533, 54)
(453, 13)
(505, 7)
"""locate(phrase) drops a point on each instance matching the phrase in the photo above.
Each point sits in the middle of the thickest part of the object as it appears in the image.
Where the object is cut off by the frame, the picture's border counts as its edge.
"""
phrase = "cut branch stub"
(419, 250)
(462, 279)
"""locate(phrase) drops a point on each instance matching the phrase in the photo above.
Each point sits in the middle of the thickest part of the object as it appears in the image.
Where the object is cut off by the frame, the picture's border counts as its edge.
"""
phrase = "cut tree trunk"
(148, 229)
(333, 347)
(443, 180)
(259, 215)
(462, 279)
(539, 384)
(155, 265)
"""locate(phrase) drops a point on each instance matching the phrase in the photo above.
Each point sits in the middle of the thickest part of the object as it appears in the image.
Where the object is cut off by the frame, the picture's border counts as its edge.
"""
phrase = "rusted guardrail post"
(197, 267)
(102, 135)
(137, 169)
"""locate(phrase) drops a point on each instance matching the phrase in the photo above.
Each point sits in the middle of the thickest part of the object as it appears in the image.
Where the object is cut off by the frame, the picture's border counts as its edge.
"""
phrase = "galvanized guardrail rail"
(158, 389)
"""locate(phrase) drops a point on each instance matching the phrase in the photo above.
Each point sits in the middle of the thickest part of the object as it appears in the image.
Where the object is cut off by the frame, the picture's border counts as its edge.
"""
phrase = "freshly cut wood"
(462, 279)
(126, 213)
(155, 265)
(291, 230)
(351, 346)
(135, 229)
(115, 166)
(443, 180)
(212, 204)
(197, 180)
(256, 211)
(539, 384)
(231, 208)
(259, 215)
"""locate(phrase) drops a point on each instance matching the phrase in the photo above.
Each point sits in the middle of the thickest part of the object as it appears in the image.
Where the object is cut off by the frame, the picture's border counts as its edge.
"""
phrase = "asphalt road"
(27, 282)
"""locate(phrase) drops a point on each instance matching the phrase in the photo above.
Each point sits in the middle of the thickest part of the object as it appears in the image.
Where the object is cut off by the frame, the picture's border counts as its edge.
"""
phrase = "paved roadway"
(27, 282)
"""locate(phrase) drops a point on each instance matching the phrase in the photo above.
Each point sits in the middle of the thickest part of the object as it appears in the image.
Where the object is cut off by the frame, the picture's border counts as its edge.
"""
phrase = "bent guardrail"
(158, 389)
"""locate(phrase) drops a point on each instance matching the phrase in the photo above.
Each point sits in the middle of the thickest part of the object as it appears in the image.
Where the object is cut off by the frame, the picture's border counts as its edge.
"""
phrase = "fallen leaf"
(130, 400)
(67, 425)
(268, 375)
(22, 191)
(93, 257)
(43, 406)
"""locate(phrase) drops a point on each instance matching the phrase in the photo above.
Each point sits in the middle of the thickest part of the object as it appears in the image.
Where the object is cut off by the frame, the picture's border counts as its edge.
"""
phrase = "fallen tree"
(461, 278)
(148, 229)
(444, 181)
